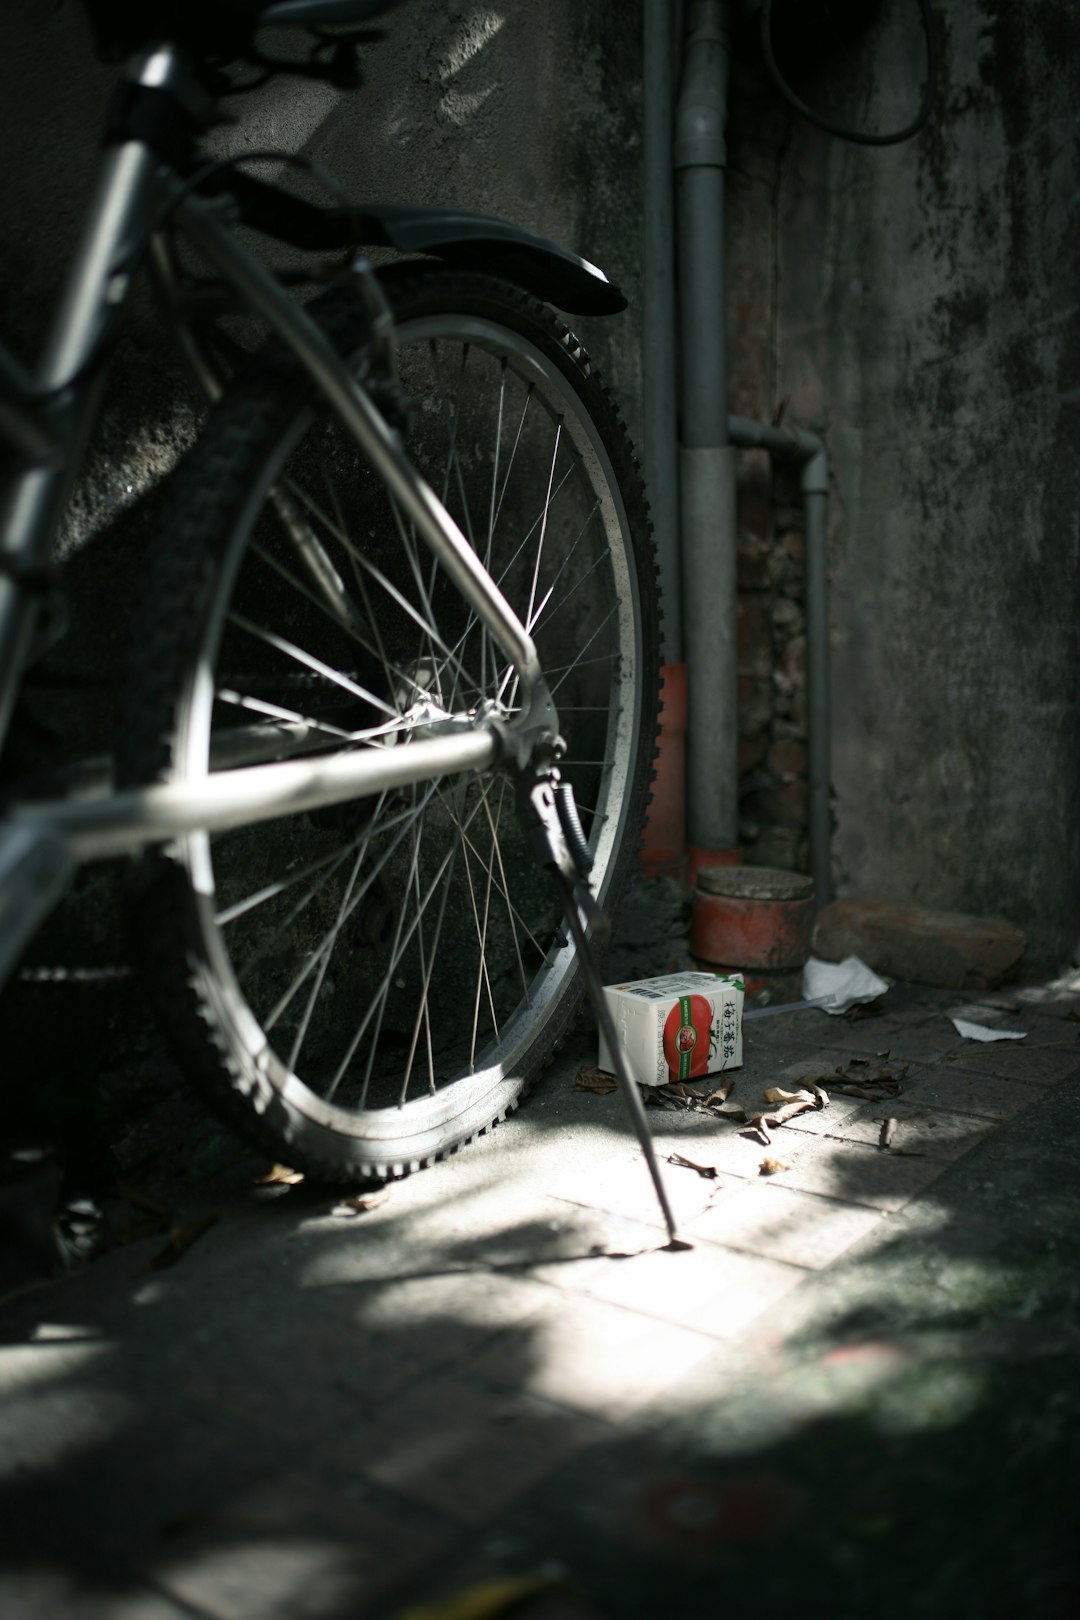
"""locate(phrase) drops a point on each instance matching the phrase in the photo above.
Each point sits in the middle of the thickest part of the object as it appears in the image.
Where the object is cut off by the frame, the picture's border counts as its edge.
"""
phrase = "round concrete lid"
(755, 883)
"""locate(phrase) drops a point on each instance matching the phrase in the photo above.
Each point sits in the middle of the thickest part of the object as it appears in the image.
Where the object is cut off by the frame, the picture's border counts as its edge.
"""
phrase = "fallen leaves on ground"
(872, 1080)
(888, 1131)
(360, 1203)
(279, 1175)
(708, 1170)
(487, 1600)
(678, 1095)
(773, 1167)
(597, 1080)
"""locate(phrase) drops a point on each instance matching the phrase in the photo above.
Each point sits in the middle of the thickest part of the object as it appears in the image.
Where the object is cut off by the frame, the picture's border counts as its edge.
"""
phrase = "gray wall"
(926, 320)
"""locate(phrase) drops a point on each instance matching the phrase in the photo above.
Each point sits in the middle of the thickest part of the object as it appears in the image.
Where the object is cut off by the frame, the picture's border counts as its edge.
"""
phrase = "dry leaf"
(822, 1096)
(772, 1167)
(182, 1234)
(722, 1092)
(888, 1129)
(780, 1116)
(776, 1094)
(360, 1203)
(707, 1170)
(279, 1175)
(488, 1600)
(597, 1080)
(758, 1124)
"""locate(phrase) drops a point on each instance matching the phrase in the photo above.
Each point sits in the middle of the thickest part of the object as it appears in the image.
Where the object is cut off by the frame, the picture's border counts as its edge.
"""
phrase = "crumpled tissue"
(837, 986)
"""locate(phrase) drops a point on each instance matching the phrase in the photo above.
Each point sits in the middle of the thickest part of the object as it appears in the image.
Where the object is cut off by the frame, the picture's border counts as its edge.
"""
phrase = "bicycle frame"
(50, 837)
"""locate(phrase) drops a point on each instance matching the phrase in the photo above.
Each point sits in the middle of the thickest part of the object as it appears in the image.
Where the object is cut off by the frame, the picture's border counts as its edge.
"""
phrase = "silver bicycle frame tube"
(93, 828)
(97, 283)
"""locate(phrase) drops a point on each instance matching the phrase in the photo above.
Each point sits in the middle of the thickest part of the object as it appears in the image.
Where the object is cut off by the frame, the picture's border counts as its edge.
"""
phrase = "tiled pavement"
(502, 1369)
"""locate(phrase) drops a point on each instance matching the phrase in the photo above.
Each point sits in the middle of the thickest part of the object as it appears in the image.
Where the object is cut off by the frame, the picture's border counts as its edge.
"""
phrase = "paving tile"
(38, 1593)
(951, 1086)
(466, 1449)
(1037, 1063)
(592, 1356)
(919, 1043)
(625, 1188)
(729, 1148)
(920, 1128)
(310, 1541)
(857, 1173)
(707, 1288)
(444, 1318)
(780, 1223)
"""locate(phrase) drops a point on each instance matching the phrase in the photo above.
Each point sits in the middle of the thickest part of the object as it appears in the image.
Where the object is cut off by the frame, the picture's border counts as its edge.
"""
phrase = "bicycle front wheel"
(367, 987)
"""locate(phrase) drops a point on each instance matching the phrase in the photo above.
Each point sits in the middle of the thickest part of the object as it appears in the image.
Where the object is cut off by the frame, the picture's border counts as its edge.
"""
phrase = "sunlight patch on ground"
(45, 1417)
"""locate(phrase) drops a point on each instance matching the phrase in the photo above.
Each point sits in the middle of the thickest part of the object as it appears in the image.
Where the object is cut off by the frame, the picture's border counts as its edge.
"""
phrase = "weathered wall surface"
(925, 319)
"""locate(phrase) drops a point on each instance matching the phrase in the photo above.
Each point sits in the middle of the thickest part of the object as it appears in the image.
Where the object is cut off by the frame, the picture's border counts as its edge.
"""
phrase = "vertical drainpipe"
(658, 316)
(663, 847)
(706, 458)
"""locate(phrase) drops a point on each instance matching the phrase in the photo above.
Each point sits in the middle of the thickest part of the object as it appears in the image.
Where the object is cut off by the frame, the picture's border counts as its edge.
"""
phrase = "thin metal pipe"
(706, 461)
(658, 316)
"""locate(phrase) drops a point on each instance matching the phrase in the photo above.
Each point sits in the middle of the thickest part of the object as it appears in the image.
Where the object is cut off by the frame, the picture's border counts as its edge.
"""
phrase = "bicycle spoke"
(497, 853)
(290, 650)
(259, 897)
(407, 823)
(274, 711)
(332, 939)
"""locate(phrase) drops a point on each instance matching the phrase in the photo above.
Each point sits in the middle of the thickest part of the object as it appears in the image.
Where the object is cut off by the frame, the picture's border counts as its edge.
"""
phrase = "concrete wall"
(918, 305)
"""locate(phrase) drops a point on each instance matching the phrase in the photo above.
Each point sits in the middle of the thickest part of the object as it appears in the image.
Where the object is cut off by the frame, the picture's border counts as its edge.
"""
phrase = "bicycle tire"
(226, 928)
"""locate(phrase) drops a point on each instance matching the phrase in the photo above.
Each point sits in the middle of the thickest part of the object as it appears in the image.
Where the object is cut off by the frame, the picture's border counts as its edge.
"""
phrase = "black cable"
(858, 136)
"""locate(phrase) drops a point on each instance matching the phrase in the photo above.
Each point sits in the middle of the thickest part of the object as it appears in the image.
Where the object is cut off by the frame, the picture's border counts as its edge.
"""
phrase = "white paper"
(979, 1032)
(836, 986)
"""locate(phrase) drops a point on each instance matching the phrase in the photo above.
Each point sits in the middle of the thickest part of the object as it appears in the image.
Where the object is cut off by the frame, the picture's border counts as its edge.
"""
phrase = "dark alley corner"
(229, 1391)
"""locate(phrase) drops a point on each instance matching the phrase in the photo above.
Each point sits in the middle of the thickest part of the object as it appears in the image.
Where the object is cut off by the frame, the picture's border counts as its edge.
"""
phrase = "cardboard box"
(683, 1026)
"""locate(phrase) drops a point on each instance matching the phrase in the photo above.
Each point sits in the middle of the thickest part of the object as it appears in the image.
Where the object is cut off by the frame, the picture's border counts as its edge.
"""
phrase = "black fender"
(474, 241)
(482, 242)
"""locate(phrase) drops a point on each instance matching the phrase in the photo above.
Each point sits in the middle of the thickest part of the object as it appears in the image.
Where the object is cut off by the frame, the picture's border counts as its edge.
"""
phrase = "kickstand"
(550, 818)
(630, 1093)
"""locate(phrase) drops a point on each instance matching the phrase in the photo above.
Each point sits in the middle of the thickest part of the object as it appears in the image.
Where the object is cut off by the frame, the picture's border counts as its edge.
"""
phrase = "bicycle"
(341, 771)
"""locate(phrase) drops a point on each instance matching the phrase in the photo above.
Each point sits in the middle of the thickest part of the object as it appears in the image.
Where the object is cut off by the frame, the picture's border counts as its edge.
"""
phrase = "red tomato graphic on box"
(686, 1037)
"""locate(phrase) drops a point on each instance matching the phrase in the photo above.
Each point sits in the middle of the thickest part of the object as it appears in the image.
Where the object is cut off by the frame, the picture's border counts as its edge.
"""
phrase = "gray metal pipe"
(707, 474)
(658, 317)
